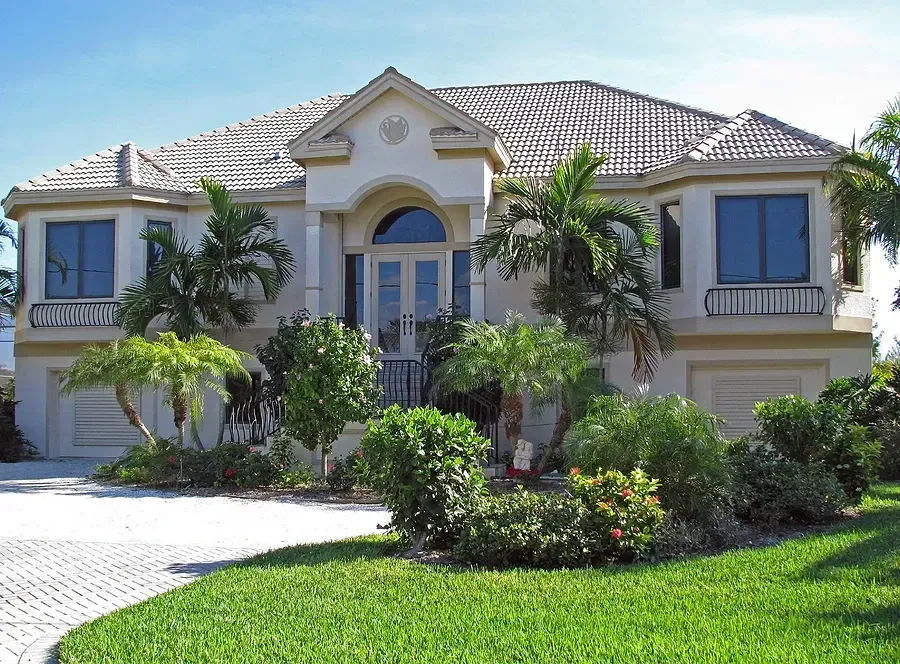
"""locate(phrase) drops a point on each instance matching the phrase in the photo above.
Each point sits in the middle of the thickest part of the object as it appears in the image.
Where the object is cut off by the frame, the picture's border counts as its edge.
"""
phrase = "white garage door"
(732, 392)
(91, 424)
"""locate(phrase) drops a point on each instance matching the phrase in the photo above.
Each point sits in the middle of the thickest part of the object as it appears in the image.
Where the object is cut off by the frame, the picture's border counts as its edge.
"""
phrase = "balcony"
(73, 314)
(765, 301)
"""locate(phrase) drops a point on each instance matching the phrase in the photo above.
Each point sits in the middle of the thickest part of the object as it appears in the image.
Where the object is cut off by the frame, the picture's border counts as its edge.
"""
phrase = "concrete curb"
(45, 648)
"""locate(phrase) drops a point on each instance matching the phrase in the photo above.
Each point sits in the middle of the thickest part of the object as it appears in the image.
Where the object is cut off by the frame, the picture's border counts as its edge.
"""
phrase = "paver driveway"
(72, 549)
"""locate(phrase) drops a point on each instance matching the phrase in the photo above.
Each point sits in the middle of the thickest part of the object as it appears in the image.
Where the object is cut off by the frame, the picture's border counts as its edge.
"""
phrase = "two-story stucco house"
(380, 194)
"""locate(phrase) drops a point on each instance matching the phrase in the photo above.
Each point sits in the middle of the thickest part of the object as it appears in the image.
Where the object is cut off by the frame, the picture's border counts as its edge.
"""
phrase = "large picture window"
(670, 245)
(80, 259)
(762, 239)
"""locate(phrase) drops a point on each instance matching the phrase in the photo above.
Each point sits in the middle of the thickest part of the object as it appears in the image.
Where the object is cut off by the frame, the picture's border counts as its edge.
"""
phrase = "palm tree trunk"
(563, 423)
(123, 397)
(511, 406)
(180, 408)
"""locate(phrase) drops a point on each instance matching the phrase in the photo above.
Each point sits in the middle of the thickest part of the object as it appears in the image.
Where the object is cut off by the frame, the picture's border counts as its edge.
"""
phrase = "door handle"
(403, 319)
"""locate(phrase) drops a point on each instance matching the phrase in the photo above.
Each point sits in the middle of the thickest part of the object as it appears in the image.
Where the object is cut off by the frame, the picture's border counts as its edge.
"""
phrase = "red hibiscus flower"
(655, 499)
(575, 471)
(172, 459)
(616, 533)
(230, 473)
(626, 493)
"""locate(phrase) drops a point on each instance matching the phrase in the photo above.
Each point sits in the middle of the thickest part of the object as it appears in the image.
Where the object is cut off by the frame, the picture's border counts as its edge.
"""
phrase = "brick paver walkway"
(48, 586)
(72, 550)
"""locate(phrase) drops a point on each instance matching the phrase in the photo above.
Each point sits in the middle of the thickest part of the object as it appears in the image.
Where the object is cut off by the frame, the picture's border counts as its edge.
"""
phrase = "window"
(762, 239)
(154, 251)
(849, 265)
(670, 245)
(354, 292)
(80, 259)
(462, 293)
(409, 224)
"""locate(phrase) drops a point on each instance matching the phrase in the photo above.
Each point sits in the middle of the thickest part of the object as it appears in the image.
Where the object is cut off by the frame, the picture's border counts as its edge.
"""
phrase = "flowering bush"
(325, 372)
(623, 511)
(426, 467)
(344, 472)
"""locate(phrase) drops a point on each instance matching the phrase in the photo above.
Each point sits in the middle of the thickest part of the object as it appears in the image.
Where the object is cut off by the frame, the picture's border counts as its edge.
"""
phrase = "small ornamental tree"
(325, 373)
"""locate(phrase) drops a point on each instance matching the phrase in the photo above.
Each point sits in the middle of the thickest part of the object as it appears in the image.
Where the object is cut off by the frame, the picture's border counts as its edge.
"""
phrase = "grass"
(833, 597)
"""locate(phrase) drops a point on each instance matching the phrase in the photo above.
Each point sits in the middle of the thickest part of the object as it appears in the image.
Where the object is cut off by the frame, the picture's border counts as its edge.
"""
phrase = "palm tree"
(186, 369)
(195, 289)
(864, 188)
(516, 355)
(183, 369)
(116, 365)
(9, 281)
(595, 252)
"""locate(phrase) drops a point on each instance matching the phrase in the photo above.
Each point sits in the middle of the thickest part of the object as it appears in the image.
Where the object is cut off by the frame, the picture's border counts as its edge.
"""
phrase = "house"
(381, 193)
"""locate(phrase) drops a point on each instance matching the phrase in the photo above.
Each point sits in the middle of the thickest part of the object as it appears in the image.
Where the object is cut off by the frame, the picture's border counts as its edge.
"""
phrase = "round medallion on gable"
(393, 129)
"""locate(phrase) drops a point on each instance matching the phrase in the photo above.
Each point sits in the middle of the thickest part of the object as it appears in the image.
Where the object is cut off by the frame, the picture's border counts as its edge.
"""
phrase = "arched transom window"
(409, 224)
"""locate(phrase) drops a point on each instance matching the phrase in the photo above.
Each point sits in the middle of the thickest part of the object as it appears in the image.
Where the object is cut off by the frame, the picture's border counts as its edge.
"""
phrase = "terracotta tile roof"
(538, 122)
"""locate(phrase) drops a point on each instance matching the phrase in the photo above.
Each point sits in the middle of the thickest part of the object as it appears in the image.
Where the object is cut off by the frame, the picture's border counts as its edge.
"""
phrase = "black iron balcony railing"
(254, 419)
(73, 314)
(764, 300)
(402, 382)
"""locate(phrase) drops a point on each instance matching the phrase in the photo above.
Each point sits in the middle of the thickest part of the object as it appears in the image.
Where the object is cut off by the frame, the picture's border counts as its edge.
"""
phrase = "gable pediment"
(453, 129)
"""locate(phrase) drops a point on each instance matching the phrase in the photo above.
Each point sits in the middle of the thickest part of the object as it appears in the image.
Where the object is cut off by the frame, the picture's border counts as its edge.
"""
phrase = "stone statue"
(524, 452)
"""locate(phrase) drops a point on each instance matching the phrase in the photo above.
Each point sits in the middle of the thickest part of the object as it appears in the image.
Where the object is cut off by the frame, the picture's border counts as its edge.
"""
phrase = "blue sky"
(78, 77)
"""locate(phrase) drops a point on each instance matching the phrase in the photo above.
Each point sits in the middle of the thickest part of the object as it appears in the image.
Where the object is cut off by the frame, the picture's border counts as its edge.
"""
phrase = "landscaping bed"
(829, 597)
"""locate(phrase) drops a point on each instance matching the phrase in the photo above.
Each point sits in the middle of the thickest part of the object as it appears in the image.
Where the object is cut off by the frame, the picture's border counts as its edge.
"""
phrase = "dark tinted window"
(354, 292)
(154, 251)
(670, 245)
(409, 224)
(850, 265)
(80, 259)
(462, 299)
(762, 239)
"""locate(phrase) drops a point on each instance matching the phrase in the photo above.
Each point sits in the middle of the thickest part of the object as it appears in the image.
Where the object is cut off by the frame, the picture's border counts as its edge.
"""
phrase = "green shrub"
(325, 373)
(426, 467)
(888, 434)
(671, 438)
(164, 462)
(623, 511)
(769, 488)
(281, 450)
(14, 446)
(344, 472)
(297, 476)
(525, 529)
(678, 537)
(820, 433)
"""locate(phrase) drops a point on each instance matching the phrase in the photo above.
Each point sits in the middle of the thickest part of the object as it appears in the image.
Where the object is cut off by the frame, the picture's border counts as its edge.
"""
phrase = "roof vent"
(277, 154)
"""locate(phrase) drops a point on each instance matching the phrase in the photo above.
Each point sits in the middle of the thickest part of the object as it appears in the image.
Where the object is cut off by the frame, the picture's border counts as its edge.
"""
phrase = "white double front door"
(408, 292)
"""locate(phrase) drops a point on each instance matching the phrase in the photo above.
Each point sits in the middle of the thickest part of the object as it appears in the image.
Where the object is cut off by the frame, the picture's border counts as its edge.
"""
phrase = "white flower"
(368, 337)
(320, 350)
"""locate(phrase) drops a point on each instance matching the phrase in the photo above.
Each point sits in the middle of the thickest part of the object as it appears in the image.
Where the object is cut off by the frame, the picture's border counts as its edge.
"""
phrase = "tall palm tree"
(516, 355)
(199, 288)
(864, 188)
(595, 253)
(116, 365)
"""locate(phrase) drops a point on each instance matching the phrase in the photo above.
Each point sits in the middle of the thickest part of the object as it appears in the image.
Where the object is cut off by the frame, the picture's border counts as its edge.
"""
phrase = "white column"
(313, 261)
(477, 217)
(331, 264)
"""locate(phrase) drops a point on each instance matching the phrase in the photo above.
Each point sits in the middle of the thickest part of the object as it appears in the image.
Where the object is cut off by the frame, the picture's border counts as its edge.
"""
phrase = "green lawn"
(833, 597)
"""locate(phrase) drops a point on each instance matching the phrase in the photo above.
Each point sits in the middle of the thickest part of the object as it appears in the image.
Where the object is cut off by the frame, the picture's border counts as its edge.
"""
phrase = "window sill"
(853, 288)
